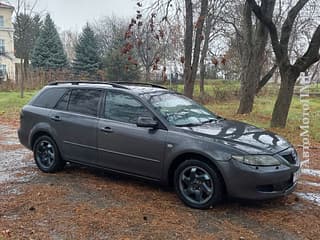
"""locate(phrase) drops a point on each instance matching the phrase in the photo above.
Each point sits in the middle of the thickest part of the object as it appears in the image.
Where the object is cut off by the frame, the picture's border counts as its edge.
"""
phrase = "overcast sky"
(73, 14)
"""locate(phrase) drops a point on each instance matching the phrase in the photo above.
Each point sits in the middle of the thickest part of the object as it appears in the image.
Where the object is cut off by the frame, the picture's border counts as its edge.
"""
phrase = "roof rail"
(88, 82)
(141, 84)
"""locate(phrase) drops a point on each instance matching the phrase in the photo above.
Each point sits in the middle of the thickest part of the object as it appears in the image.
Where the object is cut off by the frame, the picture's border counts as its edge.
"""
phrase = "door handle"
(106, 129)
(56, 118)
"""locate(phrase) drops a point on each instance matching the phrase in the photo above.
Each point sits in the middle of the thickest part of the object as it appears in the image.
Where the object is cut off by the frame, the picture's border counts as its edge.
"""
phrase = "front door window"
(124, 108)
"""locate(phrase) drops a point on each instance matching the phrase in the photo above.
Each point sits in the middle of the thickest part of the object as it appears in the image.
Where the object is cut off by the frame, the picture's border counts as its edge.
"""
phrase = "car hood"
(242, 136)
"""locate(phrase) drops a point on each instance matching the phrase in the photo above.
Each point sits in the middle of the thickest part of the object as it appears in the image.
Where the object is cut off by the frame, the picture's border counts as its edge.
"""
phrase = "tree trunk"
(202, 76)
(22, 78)
(188, 88)
(26, 72)
(283, 102)
(148, 74)
(192, 60)
(254, 43)
(204, 53)
(248, 89)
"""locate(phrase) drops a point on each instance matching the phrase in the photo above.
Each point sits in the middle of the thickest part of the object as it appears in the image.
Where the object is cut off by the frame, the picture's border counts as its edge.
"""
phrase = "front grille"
(290, 158)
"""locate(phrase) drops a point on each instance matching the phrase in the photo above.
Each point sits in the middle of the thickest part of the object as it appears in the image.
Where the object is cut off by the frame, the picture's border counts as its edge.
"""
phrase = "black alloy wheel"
(47, 156)
(198, 184)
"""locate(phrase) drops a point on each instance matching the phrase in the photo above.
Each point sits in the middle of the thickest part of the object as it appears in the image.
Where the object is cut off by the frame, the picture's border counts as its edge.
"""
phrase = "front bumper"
(251, 182)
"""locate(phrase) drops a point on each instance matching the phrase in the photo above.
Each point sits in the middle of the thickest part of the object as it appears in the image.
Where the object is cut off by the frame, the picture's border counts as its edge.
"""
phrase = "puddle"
(311, 172)
(311, 197)
(9, 136)
(12, 164)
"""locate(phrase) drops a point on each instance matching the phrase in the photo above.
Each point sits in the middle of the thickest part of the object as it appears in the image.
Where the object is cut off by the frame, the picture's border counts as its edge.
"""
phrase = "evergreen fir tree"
(86, 51)
(48, 52)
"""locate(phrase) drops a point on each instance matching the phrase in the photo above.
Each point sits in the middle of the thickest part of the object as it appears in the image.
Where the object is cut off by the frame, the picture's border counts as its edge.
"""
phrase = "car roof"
(135, 87)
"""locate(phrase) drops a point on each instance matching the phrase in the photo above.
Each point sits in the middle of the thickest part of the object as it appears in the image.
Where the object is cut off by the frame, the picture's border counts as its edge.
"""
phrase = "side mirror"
(147, 122)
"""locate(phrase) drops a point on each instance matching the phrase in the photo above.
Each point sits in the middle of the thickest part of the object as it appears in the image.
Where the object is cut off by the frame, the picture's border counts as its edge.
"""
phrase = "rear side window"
(49, 98)
(85, 101)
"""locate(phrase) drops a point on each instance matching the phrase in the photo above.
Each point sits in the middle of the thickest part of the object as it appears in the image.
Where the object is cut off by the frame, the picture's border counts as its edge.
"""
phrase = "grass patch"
(11, 103)
(262, 112)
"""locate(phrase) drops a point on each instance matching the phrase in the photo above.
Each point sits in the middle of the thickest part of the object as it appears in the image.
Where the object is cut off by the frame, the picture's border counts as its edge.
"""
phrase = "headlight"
(258, 160)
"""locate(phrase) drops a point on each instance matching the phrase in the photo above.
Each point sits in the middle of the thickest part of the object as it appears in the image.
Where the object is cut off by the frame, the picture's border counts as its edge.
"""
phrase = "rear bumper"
(258, 183)
(23, 138)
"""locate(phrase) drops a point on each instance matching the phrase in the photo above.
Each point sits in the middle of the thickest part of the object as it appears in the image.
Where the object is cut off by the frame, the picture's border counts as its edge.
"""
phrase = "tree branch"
(311, 55)
(266, 78)
(272, 29)
(288, 24)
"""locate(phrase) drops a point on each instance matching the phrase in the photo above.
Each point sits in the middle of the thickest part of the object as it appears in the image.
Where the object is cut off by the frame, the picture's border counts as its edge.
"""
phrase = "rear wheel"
(198, 184)
(47, 155)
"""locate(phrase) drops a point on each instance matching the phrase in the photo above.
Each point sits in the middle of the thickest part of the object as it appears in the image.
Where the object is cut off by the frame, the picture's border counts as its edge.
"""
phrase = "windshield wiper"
(196, 124)
(208, 121)
(188, 125)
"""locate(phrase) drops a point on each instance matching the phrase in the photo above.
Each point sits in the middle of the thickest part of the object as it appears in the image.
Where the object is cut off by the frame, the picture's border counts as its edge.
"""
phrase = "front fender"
(213, 151)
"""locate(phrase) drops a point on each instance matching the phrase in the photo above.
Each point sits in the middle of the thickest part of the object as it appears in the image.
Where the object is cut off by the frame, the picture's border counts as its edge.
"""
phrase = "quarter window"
(49, 98)
(124, 108)
(63, 102)
(85, 101)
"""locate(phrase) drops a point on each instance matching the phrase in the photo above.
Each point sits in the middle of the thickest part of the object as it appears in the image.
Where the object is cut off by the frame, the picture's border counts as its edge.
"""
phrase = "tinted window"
(63, 102)
(84, 101)
(124, 108)
(49, 98)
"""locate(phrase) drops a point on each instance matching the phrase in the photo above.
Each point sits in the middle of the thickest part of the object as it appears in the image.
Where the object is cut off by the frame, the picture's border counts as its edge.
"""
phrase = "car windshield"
(179, 110)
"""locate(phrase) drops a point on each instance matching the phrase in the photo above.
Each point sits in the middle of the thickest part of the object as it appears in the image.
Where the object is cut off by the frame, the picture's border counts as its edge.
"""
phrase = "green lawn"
(262, 111)
(11, 103)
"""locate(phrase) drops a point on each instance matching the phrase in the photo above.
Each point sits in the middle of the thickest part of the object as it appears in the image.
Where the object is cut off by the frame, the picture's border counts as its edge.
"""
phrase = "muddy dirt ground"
(85, 203)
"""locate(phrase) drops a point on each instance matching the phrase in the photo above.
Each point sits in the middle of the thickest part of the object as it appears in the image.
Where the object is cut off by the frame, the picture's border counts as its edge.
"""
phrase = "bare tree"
(69, 40)
(107, 29)
(213, 27)
(27, 26)
(253, 45)
(151, 41)
(192, 44)
(118, 63)
(289, 72)
(249, 54)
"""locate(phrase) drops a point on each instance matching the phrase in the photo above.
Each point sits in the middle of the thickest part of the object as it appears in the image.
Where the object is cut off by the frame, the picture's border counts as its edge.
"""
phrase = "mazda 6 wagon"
(147, 131)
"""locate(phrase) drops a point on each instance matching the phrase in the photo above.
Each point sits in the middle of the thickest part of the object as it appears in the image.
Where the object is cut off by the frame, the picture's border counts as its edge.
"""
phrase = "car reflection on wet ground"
(85, 203)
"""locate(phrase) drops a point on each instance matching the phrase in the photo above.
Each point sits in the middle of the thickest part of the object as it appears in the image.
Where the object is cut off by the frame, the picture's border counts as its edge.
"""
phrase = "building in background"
(7, 58)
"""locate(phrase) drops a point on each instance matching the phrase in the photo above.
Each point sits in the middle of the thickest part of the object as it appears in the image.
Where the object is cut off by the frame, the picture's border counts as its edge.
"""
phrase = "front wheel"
(47, 155)
(198, 184)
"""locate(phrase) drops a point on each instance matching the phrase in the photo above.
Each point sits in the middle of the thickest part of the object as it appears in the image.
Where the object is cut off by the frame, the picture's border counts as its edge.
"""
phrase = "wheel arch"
(38, 130)
(191, 155)
(38, 134)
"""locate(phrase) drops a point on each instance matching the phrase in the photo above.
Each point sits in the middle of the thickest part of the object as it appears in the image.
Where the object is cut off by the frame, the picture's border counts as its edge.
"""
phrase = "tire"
(198, 184)
(47, 155)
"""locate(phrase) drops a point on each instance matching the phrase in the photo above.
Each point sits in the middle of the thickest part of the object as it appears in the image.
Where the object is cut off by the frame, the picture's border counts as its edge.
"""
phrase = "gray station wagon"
(147, 131)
